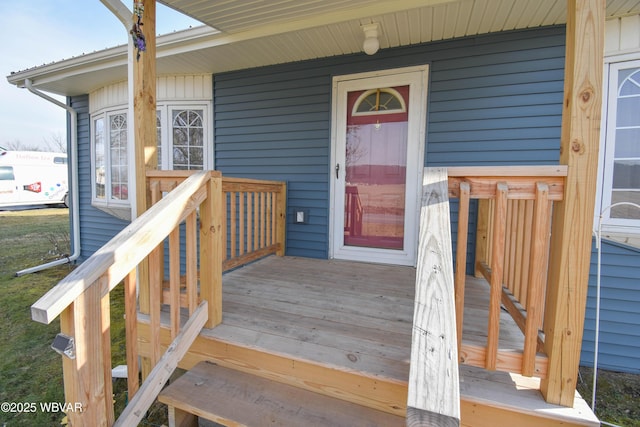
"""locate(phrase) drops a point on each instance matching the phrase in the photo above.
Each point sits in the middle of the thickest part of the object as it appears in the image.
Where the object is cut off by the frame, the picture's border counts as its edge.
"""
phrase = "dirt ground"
(617, 397)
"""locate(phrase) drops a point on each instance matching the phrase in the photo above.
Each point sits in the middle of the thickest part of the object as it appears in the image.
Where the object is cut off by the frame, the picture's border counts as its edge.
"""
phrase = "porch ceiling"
(253, 33)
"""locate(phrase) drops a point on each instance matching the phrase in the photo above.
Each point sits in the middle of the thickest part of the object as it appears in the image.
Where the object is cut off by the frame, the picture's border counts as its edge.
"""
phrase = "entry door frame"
(417, 78)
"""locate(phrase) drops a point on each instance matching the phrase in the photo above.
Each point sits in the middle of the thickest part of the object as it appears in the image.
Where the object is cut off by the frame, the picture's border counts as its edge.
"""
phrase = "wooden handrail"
(512, 239)
(82, 302)
(109, 265)
(434, 388)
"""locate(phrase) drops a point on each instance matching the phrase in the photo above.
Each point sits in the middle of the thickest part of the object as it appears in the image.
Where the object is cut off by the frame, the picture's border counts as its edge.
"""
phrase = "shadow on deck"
(343, 329)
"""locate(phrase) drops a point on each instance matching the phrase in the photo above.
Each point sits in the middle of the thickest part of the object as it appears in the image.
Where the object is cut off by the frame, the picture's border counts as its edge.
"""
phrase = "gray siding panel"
(619, 339)
(96, 227)
(275, 122)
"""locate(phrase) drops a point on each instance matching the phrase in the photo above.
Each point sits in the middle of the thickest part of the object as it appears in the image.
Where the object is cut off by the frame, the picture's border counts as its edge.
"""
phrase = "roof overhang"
(250, 34)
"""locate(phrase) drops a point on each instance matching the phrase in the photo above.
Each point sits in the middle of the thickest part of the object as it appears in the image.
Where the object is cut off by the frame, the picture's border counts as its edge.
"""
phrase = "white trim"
(165, 132)
(107, 202)
(417, 79)
(619, 226)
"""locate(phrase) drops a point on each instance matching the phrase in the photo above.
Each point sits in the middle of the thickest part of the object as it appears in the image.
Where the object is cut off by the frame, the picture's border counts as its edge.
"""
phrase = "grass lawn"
(31, 372)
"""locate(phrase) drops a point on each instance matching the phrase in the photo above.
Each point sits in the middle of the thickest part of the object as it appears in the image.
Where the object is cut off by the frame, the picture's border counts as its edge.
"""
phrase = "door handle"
(337, 170)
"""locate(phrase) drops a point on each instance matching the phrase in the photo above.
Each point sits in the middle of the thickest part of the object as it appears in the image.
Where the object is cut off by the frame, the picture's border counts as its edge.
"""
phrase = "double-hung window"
(621, 152)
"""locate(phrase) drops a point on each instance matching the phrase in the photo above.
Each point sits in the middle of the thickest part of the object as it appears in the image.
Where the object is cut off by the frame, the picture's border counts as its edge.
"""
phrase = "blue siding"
(619, 341)
(96, 227)
(492, 100)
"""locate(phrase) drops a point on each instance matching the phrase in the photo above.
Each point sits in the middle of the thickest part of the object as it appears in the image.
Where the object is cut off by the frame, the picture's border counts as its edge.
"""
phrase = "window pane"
(626, 174)
(628, 109)
(6, 173)
(628, 142)
(118, 151)
(629, 81)
(100, 165)
(188, 139)
(195, 158)
(625, 211)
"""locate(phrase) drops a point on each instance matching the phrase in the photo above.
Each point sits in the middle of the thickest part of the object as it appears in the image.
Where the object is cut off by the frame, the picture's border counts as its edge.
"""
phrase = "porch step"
(233, 398)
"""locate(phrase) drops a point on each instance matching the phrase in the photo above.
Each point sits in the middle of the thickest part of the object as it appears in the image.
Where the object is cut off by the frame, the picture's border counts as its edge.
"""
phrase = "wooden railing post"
(434, 387)
(212, 233)
(84, 375)
(573, 217)
(281, 219)
(497, 263)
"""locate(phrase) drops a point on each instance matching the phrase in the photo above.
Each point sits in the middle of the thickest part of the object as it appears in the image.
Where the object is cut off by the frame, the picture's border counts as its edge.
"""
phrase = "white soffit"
(254, 33)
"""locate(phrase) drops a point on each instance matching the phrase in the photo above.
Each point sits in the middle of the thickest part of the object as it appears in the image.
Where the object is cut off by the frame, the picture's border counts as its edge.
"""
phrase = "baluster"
(537, 276)
(192, 262)
(131, 332)
(174, 281)
(461, 257)
(497, 260)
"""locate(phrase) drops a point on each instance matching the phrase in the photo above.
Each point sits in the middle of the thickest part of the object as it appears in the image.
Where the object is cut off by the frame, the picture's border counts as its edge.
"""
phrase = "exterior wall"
(493, 99)
(619, 335)
(622, 35)
(196, 87)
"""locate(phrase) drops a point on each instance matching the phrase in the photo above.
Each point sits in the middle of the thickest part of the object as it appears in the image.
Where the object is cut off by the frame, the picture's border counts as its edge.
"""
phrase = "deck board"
(367, 308)
(307, 319)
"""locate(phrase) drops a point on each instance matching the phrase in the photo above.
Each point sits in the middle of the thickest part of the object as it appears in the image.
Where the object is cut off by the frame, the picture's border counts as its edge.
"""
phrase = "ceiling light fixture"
(371, 43)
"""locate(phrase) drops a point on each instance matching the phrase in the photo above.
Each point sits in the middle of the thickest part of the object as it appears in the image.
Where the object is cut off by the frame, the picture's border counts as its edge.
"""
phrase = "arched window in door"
(379, 101)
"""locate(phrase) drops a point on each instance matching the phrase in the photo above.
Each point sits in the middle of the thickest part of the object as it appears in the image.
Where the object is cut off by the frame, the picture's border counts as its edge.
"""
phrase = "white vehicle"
(33, 178)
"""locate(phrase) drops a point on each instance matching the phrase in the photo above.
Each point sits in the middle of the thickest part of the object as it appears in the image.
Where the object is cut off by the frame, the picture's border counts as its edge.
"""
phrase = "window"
(6, 173)
(111, 177)
(181, 135)
(621, 150)
(379, 101)
(188, 139)
(182, 132)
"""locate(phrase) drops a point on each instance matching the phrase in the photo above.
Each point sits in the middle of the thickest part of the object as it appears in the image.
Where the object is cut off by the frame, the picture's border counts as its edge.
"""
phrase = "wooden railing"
(82, 302)
(512, 253)
(187, 222)
(253, 220)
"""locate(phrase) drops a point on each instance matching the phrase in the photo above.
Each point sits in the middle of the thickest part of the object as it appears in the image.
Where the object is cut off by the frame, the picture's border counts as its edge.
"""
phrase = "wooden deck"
(354, 315)
(344, 329)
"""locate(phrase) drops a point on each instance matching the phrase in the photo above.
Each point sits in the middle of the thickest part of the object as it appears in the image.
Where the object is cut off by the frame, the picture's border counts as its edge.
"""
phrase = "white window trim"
(166, 130)
(122, 208)
(620, 230)
(107, 201)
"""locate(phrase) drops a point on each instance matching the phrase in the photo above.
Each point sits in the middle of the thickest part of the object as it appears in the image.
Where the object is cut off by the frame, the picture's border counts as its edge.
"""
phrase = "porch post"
(573, 217)
(144, 120)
